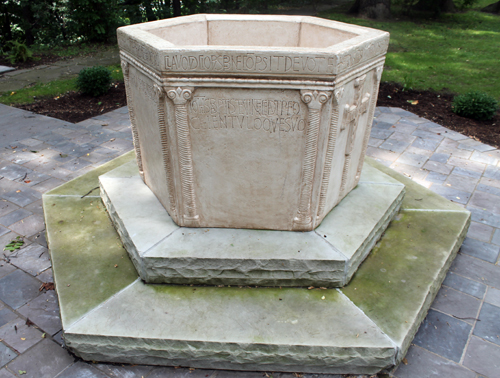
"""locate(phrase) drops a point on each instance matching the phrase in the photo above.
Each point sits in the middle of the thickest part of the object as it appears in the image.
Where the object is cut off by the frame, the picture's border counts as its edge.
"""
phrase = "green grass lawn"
(456, 53)
(52, 89)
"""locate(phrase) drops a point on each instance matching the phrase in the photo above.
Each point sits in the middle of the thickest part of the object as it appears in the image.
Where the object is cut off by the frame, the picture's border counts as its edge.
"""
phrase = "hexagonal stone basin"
(258, 122)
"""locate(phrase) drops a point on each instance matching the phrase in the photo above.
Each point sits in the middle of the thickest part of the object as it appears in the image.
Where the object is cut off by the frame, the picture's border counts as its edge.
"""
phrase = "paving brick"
(415, 160)
(22, 197)
(81, 370)
(488, 189)
(381, 154)
(493, 296)
(5, 268)
(456, 304)
(484, 157)
(440, 157)
(35, 207)
(18, 288)
(376, 133)
(6, 355)
(19, 336)
(466, 184)
(125, 371)
(436, 177)
(426, 144)
(39, 238)
(489, 327)
(492, 172)
(484, 216)
(29, 226)
(483, 357)
(161, 372)
(443, 335)
(466, 172)
(451, 194)
(389, 118)
(7, 207)
(438, 167)
(372, 142)
(48, 185)
(467, 164)
(485, 200)
(481, 250)
(75, 165)
(6, 316)
(496, 237)
(14, 172)
(382, 125)
(3, 230)
(44, 312)
(428, 135)
(409, 171)
(477, 270)
(394, 145)
(6, 374)
(34, 361)
(480, 232)
(33, 259)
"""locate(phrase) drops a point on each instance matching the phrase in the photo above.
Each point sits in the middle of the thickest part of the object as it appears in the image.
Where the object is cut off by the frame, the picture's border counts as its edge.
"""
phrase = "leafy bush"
(94, 81)
(18, 52)
(475, 105)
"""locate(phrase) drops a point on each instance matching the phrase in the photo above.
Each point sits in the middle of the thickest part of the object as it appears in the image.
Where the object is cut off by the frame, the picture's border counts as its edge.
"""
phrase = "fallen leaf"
(23, 338)
(405, 361)
(323, 297)
(413, 102)
(21, 372)
(43, 335)
(29, 323)
(46, 286)
(27, 181)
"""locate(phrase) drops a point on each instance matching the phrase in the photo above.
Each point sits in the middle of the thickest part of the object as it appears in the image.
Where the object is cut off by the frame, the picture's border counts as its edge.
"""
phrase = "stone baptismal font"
(249, 212)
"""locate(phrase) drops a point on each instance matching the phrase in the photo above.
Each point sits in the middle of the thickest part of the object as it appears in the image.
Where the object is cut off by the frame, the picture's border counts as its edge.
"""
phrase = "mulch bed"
(436, 107)
(75, 107)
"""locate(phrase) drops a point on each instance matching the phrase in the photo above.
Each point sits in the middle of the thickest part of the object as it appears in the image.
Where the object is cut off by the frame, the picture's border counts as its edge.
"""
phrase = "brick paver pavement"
(460, 338)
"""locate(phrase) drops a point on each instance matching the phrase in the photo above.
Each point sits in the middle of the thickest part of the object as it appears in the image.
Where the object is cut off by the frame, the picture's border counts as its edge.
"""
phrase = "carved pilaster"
(350, 122)
(133, 123)
(314, 101)
(180, 97)
(332, 140)
(165, 148)
(377, 74)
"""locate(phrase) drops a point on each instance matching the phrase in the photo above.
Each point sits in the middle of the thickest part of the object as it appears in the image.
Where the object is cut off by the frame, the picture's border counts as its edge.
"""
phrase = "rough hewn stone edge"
(244, 356)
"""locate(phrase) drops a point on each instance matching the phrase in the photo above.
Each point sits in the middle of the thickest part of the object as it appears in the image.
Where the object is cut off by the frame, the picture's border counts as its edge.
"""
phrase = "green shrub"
(94, 81)
(18, 52)
(475, 105)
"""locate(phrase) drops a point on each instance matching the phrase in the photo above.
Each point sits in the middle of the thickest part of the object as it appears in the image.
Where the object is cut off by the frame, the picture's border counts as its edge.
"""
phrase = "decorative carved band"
(165, 149)
(133, 122)
(180, 97)
(350, 121)
(332, 140)
(377, 74)
(314, 101)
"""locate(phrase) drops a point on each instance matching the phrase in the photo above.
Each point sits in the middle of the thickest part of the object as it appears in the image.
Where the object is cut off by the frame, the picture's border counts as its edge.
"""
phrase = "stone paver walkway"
(460, 338)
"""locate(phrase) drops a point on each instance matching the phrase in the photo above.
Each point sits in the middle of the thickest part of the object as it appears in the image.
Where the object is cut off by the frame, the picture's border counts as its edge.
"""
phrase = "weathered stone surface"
(163, 252)
(124, 319)
(266, 130)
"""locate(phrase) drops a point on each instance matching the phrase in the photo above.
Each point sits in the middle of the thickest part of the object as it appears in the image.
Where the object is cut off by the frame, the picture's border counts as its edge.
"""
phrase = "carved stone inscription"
(247, 114)
(249, 63)
(248, 147)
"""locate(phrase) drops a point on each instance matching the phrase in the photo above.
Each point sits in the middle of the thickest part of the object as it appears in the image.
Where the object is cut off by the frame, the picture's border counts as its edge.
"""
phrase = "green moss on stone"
(90, 180)
(88, 259)
(405, 267)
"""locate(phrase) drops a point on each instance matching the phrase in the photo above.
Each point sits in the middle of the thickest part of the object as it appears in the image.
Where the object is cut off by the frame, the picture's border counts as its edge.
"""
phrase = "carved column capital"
(378, 73)
(158, 91)
(314, 99)
(180, 96)
(125, 67)
(337, 95)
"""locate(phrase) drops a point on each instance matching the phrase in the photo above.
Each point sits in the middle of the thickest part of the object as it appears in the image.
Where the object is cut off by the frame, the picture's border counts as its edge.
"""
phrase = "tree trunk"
(28, 31)
(176, 5)
(436, 6)
(375, 9)
(492, 8)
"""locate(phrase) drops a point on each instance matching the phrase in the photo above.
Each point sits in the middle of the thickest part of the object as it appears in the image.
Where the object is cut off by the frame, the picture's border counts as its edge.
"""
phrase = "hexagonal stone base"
(163, 252)
(109, 314)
